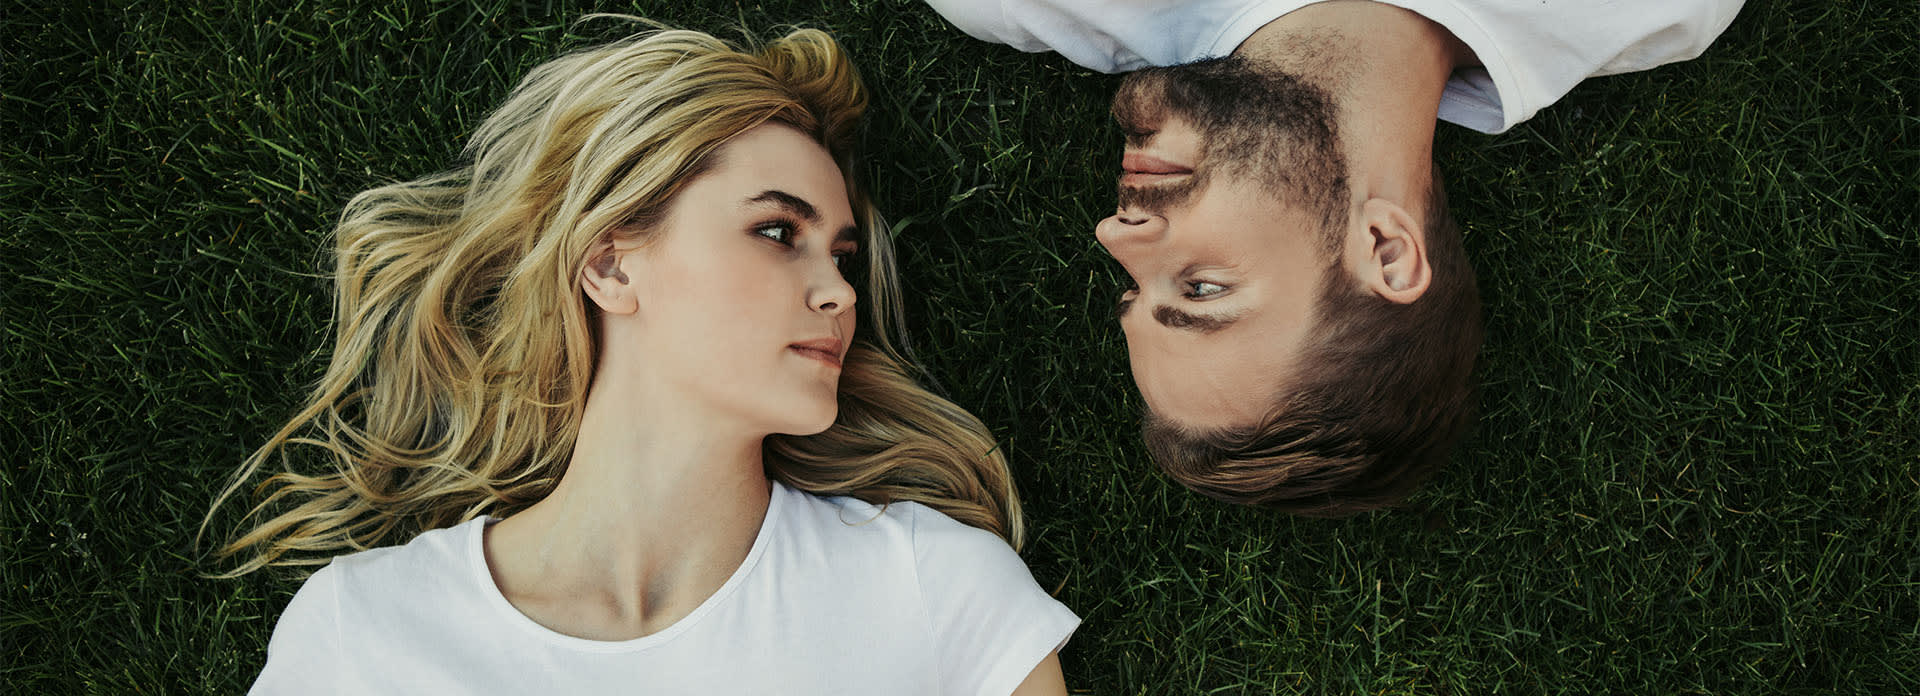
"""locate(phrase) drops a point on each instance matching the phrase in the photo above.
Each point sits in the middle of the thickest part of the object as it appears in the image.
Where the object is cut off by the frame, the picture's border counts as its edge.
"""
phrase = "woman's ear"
(605, 282)
(1394, 261)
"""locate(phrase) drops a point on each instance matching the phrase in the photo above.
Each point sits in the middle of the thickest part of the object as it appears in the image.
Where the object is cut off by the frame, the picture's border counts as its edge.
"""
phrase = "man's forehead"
(1212, 381)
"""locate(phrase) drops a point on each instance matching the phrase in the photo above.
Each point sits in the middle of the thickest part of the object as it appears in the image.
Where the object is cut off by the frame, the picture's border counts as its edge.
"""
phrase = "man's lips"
(1146, 170)
(1137, 163)
(826, 350)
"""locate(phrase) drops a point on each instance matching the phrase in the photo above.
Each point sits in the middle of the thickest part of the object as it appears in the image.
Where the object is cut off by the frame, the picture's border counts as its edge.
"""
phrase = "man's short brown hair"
(1383, 392)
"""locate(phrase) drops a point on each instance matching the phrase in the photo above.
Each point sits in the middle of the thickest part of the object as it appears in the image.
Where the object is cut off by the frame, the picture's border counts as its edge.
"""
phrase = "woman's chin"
(812, 423)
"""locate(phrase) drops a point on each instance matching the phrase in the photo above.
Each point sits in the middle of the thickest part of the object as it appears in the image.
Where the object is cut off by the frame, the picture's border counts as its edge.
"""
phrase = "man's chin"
(1140, 105)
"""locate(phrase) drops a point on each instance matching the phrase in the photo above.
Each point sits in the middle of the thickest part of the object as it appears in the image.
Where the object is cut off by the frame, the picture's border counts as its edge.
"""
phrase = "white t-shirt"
(836, 597)
(1533, 51)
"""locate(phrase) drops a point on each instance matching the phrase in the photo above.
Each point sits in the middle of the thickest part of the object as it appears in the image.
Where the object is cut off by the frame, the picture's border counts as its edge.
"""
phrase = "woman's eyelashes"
(780, 231)
(784, 232)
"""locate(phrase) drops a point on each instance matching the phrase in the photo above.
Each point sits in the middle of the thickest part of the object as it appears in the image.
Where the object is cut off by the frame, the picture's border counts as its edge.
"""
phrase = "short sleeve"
(981, 19)
(303, 657)
(992, 624)
(1532, 53)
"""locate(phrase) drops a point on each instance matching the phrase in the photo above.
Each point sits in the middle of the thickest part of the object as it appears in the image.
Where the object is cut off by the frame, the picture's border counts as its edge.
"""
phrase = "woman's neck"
(657, 508)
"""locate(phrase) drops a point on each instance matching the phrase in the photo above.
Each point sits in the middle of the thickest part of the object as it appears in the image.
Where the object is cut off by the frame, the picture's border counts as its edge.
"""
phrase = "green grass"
(1697, 469)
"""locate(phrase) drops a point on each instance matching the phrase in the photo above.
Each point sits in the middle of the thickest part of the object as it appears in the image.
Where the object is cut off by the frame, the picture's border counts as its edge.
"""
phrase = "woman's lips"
(826, 356)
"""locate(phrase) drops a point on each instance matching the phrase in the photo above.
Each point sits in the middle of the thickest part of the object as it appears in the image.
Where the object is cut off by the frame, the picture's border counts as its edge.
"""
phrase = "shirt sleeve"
(1041, 27)
(1114, 35)
(303, 657)
(992, 624)
(1532, 54)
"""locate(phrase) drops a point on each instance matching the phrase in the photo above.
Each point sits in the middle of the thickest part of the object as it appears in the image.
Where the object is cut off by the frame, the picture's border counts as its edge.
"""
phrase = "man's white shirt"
(1532, 51)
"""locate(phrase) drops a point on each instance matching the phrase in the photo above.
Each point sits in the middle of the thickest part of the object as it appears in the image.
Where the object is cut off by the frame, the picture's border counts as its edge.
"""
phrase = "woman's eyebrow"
(799, 206)
(792, 203)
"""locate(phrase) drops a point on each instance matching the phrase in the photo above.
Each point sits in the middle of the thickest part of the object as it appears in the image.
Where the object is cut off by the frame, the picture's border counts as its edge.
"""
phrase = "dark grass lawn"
(1697, 469)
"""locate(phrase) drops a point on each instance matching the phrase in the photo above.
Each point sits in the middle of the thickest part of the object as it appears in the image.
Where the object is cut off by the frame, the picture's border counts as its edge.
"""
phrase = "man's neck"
(1386, 67)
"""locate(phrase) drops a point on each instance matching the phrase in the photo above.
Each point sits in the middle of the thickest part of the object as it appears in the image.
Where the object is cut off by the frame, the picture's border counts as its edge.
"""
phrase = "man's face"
(1226, 259)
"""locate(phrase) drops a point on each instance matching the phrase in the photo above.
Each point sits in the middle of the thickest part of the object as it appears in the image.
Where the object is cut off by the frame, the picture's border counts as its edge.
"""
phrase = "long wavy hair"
(464, 348)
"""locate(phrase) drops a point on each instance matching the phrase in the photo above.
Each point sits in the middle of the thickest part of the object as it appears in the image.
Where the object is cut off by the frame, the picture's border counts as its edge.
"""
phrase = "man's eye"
(780, 232)
(1201, 288)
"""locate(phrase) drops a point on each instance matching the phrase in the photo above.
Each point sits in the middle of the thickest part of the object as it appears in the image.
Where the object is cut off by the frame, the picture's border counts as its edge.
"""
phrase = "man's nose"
(1128, 230)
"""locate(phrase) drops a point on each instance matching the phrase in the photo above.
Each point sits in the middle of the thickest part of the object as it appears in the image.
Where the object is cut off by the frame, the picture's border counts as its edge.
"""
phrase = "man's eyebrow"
(799, 206)
(1200, 323)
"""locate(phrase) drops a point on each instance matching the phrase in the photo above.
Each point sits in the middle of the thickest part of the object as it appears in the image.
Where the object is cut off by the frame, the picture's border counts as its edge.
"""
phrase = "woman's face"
(740, 307)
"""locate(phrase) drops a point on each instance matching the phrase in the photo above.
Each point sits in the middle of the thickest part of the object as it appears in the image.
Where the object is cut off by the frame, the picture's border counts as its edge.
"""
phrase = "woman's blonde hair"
(464, 347)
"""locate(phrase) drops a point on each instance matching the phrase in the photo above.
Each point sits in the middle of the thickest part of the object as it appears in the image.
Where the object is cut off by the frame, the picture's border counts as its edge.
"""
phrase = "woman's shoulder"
(989, 622)
(840, 515)
(433, 549)
(429, 565)
(371, 603)
(389, 581)
(905, 521)
(906, 529)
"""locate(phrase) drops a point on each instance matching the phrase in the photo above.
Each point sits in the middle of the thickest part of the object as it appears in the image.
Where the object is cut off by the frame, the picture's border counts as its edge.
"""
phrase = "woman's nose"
(831, 293)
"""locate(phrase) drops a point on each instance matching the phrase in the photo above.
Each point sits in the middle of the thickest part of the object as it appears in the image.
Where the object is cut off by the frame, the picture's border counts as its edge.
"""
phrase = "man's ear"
(1393, 263)
(605, 282)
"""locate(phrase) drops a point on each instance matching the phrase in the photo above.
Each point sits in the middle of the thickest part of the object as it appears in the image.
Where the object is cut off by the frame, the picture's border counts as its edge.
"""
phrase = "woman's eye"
(842, 252)
(1201, 288)
(779, 232)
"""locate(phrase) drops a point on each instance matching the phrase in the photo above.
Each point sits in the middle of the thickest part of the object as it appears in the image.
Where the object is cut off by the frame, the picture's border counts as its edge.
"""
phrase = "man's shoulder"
(1116, 35)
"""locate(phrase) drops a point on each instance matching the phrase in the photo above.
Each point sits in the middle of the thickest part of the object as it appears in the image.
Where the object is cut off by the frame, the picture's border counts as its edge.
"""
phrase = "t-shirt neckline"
(477, 569)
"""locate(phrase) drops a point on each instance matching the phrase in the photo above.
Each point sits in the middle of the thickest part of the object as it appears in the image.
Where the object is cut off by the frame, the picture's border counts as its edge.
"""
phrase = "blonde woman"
(609, 379)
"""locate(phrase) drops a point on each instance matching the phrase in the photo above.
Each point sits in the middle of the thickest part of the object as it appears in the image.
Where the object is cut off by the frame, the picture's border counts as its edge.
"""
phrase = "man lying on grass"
(1303, 321)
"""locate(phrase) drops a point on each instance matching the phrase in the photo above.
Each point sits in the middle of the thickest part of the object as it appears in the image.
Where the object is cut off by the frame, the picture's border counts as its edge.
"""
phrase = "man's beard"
(1254, 119)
